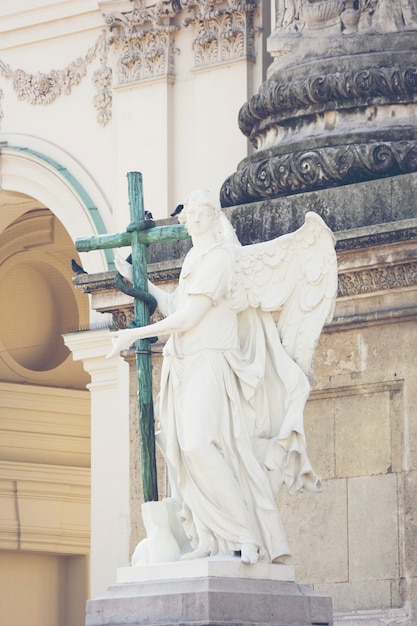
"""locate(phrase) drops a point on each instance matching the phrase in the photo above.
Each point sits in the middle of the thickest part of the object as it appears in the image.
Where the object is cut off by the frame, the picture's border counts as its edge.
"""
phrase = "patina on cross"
(139, 234)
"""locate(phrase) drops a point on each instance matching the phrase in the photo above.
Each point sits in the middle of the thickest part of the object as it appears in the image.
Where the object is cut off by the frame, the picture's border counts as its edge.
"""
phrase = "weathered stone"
(334, 112)
(317, 528)
(210, 600)
(373, 527)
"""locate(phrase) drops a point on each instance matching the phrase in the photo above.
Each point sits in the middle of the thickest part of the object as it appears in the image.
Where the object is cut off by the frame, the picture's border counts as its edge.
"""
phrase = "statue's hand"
(122, 340)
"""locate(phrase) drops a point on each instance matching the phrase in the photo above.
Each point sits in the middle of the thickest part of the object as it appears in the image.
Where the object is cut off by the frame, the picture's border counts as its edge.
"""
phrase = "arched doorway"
(44, 404)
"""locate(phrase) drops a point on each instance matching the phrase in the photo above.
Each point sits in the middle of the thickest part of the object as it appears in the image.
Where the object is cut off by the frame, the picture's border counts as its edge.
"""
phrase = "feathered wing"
(295, 274)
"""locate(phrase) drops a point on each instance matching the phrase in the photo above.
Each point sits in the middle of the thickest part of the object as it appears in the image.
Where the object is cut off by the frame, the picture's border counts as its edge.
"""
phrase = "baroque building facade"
(312, 103)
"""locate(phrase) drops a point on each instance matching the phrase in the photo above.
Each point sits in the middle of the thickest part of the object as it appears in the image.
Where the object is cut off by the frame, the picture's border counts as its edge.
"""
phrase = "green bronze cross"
(138, 235)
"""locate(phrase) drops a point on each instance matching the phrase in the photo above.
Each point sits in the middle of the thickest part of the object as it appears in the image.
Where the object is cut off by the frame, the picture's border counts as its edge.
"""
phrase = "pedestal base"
(205, 593)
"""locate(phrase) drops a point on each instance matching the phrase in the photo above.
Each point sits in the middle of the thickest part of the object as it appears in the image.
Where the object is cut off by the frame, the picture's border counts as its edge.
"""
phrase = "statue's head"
(201, 201)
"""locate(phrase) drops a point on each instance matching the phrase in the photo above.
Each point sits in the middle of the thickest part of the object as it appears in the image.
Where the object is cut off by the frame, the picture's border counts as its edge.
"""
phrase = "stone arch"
(43, 209)
(29, 172)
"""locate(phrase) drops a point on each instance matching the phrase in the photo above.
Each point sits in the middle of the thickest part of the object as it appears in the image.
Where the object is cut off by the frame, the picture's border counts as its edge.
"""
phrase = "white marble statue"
(234, 383)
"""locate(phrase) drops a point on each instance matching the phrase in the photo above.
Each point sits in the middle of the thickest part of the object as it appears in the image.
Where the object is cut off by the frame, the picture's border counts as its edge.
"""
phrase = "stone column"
(110, 471)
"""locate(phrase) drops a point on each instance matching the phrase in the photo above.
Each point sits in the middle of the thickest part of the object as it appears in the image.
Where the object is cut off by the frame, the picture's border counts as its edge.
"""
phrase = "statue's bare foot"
(201, 552)
(122, 340)
(249, 554)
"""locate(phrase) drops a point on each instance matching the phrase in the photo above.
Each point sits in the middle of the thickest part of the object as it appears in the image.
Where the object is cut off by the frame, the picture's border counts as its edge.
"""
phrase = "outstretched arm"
(182, 320)
(162, 298)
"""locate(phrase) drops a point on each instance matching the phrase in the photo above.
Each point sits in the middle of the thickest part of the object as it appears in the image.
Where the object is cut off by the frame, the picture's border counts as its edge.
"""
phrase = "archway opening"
(39, 302)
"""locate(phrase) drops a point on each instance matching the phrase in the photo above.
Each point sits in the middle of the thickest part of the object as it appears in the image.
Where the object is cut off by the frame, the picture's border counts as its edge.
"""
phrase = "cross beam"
(139, 237)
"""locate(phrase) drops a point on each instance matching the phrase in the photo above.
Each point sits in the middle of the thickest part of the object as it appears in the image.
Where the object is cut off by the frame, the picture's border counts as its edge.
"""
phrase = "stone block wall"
(356, 541)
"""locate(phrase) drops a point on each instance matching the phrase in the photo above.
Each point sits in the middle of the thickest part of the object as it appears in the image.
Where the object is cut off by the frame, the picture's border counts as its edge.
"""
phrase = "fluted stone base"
(206, 593)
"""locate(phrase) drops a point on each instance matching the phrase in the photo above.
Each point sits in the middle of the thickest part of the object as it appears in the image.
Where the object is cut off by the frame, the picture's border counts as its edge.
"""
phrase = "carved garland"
(45, 88)
(319, 168)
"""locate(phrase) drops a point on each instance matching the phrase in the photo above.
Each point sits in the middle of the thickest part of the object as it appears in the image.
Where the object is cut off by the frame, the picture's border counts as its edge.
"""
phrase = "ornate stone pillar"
(339, 105)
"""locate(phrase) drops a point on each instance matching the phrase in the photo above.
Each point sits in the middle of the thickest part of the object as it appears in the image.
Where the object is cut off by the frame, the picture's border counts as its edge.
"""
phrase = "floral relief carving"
(224, 30)
(377, 279)
(319, 168)
(45, 88)
(144, 39)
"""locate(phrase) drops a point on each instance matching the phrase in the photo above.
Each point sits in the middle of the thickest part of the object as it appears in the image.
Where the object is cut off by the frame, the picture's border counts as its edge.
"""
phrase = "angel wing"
(295, 274)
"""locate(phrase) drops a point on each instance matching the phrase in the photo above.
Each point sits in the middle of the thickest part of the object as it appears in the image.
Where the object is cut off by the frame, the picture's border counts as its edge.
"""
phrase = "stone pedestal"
(209, 592)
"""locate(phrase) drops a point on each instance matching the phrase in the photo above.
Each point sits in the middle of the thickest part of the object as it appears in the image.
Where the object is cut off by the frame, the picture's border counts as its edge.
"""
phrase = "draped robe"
(231, 416)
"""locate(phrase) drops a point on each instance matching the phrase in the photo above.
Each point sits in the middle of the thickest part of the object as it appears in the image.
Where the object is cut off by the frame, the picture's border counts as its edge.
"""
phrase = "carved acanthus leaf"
(224, 30)
(279, 99)
(145, 38)
(45, 88)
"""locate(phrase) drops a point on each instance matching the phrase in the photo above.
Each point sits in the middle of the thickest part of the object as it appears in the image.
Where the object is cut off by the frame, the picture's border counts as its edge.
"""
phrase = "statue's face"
(200, 219)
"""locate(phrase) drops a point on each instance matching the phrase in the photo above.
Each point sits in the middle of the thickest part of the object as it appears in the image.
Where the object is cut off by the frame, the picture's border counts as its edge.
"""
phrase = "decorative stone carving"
(377, 279)
(319, 168)
(224, 30)
(322, 13)
(122, 316)
(347, 16)
(387, 16)
(333, 111)
(45, 88)
(145, 39)
(279, 99)
(288, 15)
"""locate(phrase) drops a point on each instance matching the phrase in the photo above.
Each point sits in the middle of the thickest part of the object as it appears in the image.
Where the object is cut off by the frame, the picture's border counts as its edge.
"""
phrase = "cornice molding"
(352, 283)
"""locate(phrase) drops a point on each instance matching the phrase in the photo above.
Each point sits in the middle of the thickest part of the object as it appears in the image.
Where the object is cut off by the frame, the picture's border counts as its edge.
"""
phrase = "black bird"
(177, 210)
(77, 269)
(148, 215)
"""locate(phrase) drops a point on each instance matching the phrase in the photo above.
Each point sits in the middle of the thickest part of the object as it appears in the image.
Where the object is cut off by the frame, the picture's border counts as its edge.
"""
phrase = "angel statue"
(234, 383)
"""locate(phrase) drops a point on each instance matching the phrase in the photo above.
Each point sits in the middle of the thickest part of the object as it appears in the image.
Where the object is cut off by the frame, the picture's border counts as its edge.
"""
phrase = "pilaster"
(110, 518)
